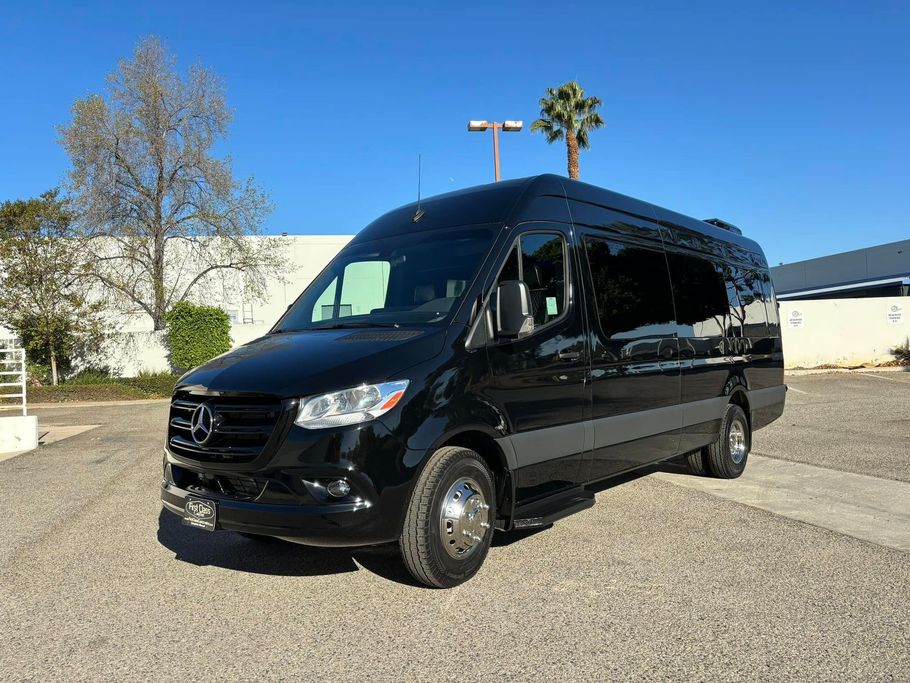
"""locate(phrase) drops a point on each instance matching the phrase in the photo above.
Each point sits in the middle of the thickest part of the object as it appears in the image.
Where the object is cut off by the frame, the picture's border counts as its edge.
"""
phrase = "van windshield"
(414, 279)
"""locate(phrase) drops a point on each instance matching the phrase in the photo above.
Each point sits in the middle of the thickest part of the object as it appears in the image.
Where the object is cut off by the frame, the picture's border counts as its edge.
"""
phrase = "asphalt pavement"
(656, 582)
(857, 422)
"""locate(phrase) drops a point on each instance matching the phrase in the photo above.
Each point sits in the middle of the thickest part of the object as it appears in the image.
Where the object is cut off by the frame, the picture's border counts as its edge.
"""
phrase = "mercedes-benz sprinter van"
(477, 363)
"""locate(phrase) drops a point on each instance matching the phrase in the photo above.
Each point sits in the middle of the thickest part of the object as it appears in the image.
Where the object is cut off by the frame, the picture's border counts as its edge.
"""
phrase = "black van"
(476, 363)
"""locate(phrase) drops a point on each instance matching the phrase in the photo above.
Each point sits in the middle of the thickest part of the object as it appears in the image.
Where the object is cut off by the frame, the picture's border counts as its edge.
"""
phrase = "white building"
(137, 348)
(307, 255)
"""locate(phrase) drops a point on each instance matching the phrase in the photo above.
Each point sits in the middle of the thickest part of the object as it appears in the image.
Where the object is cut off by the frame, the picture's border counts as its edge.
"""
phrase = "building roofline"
(858, 284)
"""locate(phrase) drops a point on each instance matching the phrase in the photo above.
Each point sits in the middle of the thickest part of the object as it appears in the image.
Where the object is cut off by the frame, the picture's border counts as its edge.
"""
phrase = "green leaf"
(196, 334)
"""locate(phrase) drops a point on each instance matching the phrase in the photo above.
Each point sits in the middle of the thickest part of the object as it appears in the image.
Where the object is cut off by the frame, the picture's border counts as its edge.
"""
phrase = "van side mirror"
(513, 310)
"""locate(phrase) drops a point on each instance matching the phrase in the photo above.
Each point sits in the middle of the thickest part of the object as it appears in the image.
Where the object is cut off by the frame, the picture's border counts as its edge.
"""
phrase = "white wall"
(843, 332)
(307, 255)
(136, 348)
(129, 353)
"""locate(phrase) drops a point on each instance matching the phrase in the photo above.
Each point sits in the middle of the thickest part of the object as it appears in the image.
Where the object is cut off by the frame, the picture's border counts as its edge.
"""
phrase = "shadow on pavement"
(273, 556)
(281, 558)
(671, 466)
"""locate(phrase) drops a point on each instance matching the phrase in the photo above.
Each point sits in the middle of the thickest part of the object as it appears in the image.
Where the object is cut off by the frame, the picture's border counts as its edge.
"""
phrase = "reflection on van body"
(480, 365)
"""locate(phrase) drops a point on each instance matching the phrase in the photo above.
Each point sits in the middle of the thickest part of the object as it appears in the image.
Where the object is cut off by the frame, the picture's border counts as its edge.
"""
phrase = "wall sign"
(795, 318)
(895, 313)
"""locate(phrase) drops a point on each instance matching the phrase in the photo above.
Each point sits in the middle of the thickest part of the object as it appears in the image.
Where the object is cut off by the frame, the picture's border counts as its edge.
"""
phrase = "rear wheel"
(697, 463)
(449, 524)
(728, 455)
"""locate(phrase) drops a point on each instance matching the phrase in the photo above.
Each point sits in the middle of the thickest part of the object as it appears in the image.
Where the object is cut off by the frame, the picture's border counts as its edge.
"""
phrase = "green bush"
(196, 334)
(99, 384)
(902, 351)
(92, 376)
(37, 373)
(154, 383)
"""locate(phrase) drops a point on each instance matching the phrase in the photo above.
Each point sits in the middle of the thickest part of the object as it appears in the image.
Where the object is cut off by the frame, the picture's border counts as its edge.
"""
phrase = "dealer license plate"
(200, 513)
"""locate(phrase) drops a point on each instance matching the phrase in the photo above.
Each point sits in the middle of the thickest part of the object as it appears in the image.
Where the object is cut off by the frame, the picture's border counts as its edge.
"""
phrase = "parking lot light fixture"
(507, 126)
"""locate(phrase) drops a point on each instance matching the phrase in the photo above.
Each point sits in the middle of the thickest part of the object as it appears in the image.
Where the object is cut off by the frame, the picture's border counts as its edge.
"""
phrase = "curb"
(88, 404)
(845, 371)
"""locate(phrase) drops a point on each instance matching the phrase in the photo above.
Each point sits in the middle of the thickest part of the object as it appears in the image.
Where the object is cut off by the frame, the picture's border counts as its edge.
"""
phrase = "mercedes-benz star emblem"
(202, 424)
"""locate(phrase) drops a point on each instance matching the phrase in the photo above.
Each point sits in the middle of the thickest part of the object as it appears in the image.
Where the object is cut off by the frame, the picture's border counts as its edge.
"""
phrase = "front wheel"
(449, 524)
(728, 455)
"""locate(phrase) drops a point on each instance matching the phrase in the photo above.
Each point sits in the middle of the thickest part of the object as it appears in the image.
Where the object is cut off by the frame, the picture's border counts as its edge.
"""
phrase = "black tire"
(423, 548)
(722, 461)
(697, 463)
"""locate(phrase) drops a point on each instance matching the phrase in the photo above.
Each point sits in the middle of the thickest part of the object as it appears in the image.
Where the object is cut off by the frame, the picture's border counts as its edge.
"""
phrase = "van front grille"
(239, 488)
(227, 429)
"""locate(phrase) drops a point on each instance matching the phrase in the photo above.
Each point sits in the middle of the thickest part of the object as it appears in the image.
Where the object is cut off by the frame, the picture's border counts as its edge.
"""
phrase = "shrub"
(196, 334)
(902, 351)
(37, 373)
(154, 383)
(92, 375)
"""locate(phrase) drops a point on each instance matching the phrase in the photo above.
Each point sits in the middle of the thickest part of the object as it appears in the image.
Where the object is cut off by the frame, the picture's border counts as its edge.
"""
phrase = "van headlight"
(350, 406)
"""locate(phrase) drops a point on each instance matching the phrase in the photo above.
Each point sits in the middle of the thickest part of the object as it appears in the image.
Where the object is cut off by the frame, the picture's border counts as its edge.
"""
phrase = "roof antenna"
(419, 213)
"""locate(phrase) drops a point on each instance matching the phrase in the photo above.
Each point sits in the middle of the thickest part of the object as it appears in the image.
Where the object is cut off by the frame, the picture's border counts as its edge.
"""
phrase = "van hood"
(293, 364)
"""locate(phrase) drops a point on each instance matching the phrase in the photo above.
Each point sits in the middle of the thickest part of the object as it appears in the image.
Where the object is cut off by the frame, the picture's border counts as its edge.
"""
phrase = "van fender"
(497, 451)
(443, 425)
(736, 383)
(738, 392)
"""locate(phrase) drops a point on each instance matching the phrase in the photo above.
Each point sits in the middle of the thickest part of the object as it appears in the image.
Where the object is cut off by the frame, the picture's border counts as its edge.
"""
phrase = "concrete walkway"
(48, 434)
(868, 508)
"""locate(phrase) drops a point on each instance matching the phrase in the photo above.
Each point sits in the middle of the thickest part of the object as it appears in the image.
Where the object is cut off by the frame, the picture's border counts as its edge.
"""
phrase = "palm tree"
(566, 112)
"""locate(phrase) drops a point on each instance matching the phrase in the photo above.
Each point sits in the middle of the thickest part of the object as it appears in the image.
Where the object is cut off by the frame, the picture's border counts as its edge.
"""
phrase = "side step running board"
(549, 510)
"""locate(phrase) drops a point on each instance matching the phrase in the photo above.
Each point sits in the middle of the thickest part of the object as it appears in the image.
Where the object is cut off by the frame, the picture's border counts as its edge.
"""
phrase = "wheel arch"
(482, 442)
(739, 396)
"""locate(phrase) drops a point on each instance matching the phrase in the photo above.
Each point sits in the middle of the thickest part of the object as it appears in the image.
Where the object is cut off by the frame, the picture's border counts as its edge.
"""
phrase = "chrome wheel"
(464, 518)
(737, 441)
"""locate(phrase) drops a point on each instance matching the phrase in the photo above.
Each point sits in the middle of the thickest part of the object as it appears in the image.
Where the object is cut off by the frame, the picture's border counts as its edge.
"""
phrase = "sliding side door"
(634, 359)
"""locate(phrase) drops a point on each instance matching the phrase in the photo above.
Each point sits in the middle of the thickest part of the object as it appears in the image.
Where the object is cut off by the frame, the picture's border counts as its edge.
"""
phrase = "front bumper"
(333, 524)
(283, 493)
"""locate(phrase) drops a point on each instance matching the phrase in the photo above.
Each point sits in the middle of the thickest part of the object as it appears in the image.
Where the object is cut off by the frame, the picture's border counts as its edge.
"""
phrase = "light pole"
(507, 126)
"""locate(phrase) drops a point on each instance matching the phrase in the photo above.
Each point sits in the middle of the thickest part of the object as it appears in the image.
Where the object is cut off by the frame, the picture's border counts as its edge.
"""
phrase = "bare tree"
(161, 212)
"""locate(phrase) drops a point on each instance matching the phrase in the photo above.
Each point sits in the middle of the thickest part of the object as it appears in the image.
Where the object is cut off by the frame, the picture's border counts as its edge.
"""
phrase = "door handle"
(569, 355)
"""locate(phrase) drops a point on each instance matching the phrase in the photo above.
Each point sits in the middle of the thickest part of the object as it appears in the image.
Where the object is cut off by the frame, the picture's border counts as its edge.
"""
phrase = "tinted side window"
(511, 270)
(539, 260)
(631, 289)
(700, 294)
(733, 321)
(771, 312)
(543, 268)
(748, 286)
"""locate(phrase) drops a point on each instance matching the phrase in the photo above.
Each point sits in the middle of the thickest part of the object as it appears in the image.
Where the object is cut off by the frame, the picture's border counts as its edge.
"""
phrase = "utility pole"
(507, 126)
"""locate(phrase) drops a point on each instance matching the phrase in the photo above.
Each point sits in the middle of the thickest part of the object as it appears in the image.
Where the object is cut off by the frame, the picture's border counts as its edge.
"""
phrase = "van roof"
(538, 197)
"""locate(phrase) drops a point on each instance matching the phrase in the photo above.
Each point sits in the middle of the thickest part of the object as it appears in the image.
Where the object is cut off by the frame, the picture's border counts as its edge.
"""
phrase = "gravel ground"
(656, 582)
(856, 422)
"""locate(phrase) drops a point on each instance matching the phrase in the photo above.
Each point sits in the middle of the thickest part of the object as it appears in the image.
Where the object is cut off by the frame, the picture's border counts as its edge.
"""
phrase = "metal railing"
(12, 374)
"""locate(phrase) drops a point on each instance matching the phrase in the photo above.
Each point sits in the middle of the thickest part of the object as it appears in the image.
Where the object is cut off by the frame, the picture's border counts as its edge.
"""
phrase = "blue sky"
(788, 119)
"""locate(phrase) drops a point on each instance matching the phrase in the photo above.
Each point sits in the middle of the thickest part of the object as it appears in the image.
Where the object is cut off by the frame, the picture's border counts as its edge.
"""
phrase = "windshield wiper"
(341, 326)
